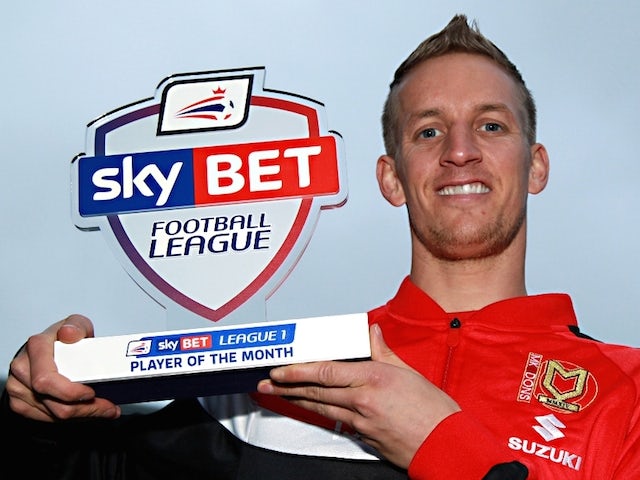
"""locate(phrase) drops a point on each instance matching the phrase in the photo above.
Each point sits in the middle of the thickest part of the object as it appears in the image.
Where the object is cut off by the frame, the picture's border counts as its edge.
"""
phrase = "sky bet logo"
(224, 339)
(207, 176)
(172, 344)
(209, 191)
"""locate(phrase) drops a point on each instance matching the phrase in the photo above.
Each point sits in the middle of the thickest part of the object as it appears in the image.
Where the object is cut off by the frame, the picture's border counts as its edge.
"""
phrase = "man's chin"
(458, 250)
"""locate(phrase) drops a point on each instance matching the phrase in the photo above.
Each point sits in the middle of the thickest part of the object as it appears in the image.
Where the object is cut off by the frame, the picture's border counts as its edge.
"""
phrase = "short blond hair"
(458, 36)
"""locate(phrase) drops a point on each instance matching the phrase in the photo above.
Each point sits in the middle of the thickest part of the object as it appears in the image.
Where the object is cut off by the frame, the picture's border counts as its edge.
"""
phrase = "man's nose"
(461, 146)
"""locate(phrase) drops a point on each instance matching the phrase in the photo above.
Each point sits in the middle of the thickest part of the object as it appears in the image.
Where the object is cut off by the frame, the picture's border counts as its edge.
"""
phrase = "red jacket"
(531, 388)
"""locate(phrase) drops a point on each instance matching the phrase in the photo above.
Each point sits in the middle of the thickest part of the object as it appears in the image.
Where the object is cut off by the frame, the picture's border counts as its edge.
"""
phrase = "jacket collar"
(551, 309)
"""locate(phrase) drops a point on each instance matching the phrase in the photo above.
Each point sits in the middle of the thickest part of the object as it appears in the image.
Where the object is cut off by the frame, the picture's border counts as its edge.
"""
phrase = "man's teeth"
(467, 188)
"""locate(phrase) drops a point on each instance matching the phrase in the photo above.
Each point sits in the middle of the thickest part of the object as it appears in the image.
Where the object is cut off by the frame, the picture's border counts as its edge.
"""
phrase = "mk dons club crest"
(209, 192)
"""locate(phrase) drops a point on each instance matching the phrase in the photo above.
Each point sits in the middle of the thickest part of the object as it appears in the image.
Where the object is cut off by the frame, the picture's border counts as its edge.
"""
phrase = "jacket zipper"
(452, 341)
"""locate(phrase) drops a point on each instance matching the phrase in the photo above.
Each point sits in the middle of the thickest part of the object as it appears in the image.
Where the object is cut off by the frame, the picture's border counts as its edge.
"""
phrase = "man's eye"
(430, 133)
(491, 127)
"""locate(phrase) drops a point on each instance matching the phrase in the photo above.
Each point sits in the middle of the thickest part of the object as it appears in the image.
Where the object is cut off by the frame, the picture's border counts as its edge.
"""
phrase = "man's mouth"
(466, 189)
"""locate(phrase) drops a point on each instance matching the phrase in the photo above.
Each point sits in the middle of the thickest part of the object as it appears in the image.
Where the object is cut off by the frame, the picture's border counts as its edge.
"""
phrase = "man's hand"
(36, 389)
(391, 406)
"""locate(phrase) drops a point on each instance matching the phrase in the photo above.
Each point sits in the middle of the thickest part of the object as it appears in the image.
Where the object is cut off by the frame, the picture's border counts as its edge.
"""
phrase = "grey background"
(65, 63)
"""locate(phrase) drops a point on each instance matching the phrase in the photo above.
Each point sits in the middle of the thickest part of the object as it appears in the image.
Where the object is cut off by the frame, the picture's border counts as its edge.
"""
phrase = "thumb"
(73, 328)
(380, 351)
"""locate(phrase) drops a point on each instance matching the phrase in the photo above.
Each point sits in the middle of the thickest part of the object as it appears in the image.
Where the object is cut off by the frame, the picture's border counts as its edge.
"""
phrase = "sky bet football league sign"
(208, 194)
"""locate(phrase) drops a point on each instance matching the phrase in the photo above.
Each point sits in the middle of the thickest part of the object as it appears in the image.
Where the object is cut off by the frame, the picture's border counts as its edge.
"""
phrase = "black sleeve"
(150, 446)
(50, 450)
(508, 471)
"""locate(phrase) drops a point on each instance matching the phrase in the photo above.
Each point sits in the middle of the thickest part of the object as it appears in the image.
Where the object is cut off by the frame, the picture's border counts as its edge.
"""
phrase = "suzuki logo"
(549, 427)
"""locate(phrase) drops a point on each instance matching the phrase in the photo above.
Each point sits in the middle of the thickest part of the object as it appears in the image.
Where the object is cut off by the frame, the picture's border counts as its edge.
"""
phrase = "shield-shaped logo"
(209, 191)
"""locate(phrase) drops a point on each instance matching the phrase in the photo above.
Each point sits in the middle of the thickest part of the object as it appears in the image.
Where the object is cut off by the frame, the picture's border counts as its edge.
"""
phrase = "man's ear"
(539, 170)
(388, 181)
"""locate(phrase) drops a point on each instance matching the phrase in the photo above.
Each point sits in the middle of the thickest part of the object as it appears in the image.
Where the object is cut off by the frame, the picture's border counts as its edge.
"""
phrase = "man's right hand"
(36, 389)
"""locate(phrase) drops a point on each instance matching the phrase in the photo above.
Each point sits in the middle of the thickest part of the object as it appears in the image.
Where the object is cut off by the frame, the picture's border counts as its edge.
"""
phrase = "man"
(470, 378)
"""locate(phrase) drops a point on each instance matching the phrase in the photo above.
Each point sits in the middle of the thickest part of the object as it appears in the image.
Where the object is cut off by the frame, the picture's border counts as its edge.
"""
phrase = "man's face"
(463, 162)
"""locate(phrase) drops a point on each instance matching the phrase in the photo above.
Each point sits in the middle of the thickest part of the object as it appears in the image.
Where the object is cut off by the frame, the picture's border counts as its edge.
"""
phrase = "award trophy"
(208, 194)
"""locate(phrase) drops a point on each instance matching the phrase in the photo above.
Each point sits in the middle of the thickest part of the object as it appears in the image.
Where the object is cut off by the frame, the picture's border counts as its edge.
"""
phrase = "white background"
(65, 63)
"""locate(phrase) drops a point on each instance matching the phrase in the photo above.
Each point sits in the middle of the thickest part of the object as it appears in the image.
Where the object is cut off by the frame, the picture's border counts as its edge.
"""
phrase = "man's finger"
(74, 328)
(327, 374)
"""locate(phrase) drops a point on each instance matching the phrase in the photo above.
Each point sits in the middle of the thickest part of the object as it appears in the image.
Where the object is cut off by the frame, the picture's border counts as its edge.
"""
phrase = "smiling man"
(476, 380)
(463, 166)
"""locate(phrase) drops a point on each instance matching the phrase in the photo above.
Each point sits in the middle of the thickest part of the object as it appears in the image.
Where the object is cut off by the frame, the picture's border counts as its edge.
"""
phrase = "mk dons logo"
(566, 387)
(559, 385)
(209, 191)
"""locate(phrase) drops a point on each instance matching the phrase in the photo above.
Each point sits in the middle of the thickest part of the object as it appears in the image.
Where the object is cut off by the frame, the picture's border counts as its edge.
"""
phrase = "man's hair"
(456, 37)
